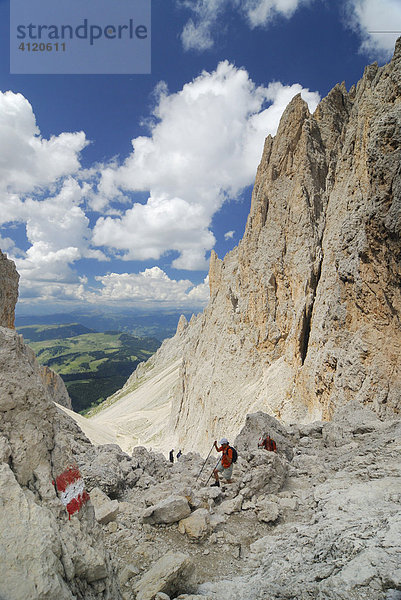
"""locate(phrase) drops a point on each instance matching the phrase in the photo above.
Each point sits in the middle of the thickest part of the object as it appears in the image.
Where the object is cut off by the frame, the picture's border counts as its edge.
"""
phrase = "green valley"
(93, 365)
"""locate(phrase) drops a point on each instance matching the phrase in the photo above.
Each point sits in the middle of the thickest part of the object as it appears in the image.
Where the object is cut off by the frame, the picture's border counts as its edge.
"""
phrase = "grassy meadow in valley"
(93, 365)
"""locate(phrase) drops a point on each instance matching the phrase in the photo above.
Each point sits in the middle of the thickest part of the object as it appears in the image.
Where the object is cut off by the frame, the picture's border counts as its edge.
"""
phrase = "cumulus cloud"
(37, 189)
(378, 24)
(206, 141)
(229, 235)
(204, 145)
(59, 235)
(28, 161)
(6, 244)
(198, 33)
(150, 286)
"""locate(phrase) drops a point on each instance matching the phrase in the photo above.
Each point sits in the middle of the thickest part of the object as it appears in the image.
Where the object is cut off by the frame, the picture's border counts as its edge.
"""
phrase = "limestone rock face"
(304, 314)
(55, 387)
(8, 291)
(43, 554)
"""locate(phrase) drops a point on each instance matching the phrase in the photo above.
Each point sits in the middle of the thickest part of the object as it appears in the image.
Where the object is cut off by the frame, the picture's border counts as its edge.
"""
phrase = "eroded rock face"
(304, 314)
(55, 387)
(8, 291)
(43, 553)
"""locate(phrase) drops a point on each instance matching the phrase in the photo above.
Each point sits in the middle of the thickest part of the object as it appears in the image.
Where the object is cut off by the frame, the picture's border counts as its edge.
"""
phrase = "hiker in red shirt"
(267, 443)
(225, 466)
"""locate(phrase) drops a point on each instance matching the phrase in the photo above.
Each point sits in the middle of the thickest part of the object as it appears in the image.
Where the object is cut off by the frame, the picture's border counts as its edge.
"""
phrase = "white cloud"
(199, 31)
(148, 230)
(28, 161)
(368, 17)
(197, 34)
(6, 244)
(59, 233)
(37, 189)
(229, 235)
(150, 286)
(261, 12)
(204, 148)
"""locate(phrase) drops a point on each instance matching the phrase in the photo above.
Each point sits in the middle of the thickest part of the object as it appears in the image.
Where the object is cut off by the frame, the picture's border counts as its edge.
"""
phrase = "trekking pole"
(217, 464)
(204, 463)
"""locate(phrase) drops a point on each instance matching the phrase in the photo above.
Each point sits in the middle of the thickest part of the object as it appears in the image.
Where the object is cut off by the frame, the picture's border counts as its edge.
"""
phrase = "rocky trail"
(319, 519)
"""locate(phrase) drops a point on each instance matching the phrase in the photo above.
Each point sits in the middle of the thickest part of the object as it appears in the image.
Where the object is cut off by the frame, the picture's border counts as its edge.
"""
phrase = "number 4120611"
(42, 47)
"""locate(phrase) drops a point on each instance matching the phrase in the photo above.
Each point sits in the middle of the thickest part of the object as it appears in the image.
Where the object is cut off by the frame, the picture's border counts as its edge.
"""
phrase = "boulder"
(106, 510)
(108, 468)
(197, 525)
(166, 576)
(170, 510)
(269, 512)
(255, 426)
(228, 507)
(266, 474)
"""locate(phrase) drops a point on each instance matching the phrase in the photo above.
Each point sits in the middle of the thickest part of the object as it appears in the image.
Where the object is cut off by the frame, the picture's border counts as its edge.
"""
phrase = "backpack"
(272, 445)
(235, 454)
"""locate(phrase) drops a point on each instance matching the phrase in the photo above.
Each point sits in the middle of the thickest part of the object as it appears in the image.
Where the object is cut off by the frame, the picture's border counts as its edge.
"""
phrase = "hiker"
(267, 443)
(179, 453)
(171, 456)
(225, 466)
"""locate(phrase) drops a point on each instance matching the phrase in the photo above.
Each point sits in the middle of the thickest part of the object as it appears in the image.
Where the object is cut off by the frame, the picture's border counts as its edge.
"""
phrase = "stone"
(165, 576)
(197, 525)
(170, 510)
(127, 573)
(112, 527)
(108, 468)
(232, 505)
(269, 512)
(256, 424)
(267, 474)
(106, 510)
(288, 503)
(193, 597)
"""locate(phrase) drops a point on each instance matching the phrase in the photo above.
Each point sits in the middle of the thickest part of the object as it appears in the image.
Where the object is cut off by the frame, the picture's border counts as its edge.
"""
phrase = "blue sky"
(115, 188)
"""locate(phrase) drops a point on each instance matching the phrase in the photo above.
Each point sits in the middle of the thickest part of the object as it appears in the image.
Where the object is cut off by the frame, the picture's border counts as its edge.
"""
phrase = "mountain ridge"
(303, 314)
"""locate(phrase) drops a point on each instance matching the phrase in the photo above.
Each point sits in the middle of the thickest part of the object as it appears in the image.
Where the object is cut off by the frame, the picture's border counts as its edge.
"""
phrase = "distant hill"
(93, 365)
(38, 333)
(158, 324)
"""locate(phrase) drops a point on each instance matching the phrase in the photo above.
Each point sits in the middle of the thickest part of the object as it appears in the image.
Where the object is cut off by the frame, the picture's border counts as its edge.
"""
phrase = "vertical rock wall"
(305, 313)
(8, 291)
(55, 387)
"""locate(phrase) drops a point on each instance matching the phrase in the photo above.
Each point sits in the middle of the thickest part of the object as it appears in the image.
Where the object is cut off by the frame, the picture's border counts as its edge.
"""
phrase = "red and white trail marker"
(71, 489)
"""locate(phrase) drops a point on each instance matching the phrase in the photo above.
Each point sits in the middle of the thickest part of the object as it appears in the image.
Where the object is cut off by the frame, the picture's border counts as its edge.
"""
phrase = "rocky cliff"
(8, 291)
(43, 553)
(55, 387)
(304, 314)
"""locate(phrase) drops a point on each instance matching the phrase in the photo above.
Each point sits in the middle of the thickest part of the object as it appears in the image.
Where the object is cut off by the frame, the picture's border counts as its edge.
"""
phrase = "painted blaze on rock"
(71, 489)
